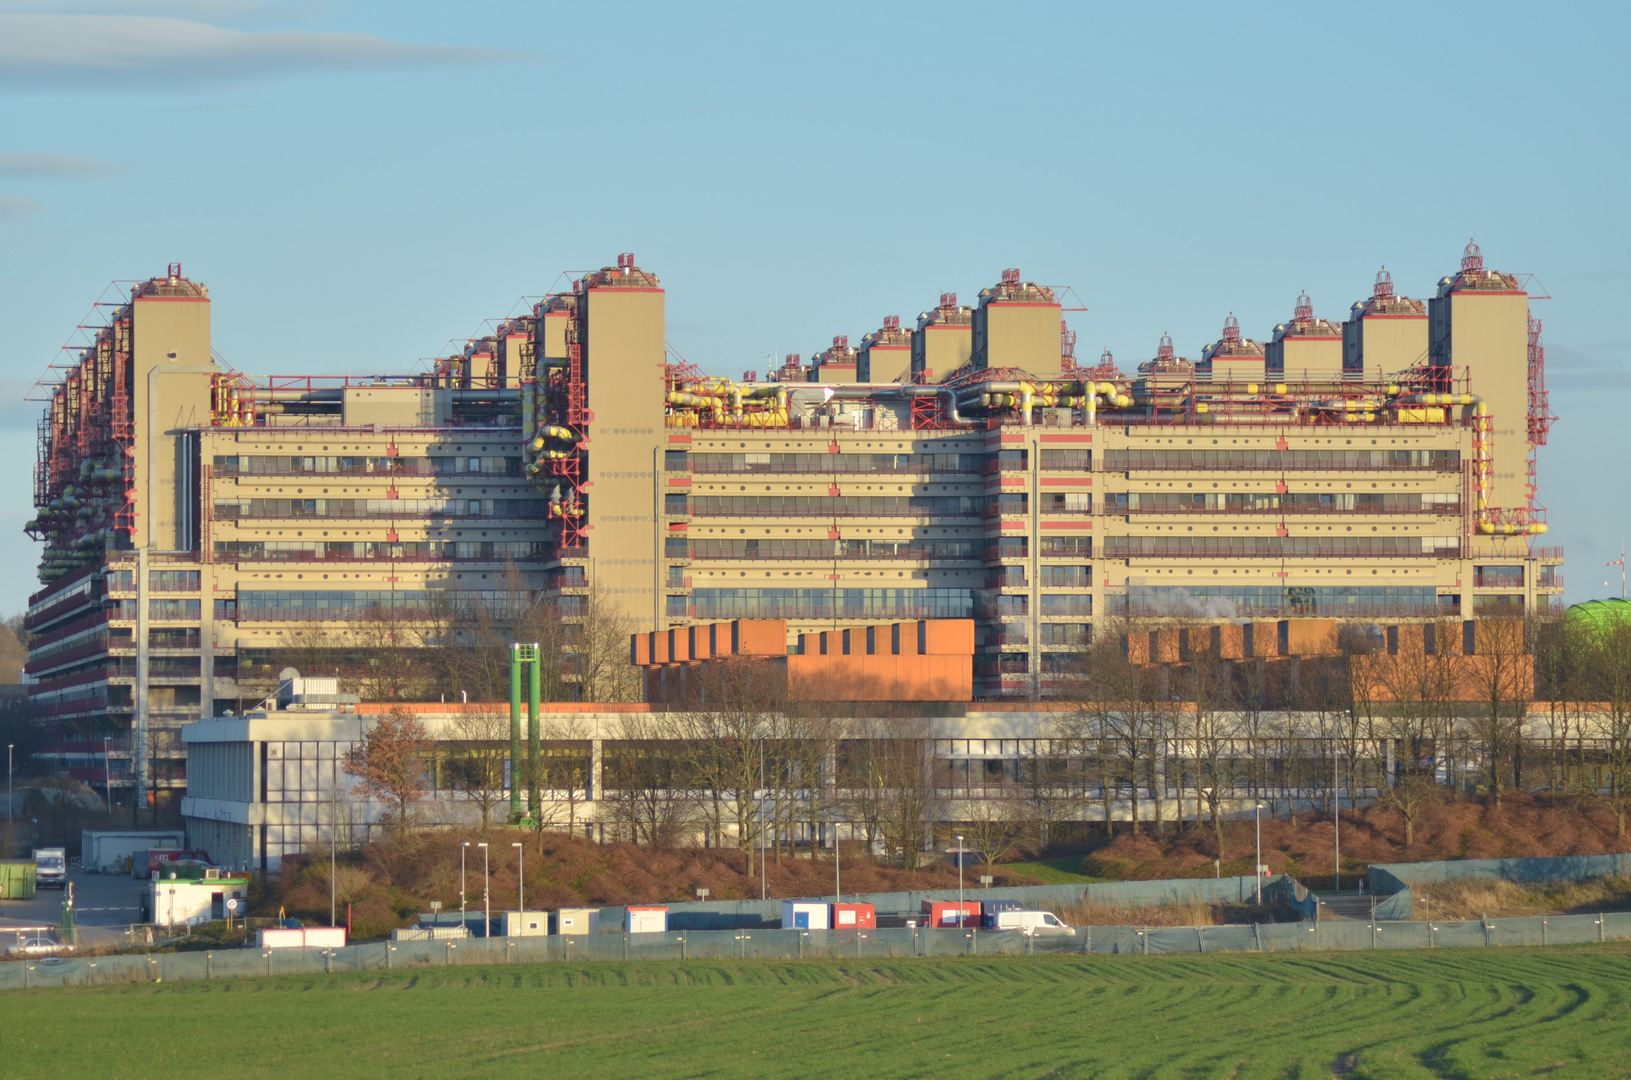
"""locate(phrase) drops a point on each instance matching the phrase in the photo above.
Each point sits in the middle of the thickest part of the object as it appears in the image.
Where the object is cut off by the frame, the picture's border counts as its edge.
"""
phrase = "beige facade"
(1033, 499)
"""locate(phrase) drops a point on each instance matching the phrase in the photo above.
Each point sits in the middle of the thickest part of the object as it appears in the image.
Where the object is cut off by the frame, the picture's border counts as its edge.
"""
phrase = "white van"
(1032, 922)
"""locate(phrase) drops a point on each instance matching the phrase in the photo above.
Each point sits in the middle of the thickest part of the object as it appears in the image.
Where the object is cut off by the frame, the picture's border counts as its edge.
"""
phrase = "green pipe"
(534, 692)
(515, 734)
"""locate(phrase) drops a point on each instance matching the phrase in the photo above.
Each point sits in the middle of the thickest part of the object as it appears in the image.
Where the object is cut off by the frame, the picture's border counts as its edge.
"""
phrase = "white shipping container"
(804, 915)
(526, 924)
(106, 851)
(315, 937)
(648, 920)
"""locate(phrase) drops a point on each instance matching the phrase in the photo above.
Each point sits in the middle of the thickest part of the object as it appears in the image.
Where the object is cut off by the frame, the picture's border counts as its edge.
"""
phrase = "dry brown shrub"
(568, 871)
(1525, 825)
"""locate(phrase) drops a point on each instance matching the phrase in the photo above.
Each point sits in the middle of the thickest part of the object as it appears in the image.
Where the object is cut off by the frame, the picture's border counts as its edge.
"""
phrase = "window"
(676, 577)
(1067, 577)
(1067, 604)
(676, 607)
(1067, 502)
(677, 505)
(1498, 604)
(674, 547)
(172, 609)
(1067, 460)
(173, 637)
(1070, 546)
(1064, 633)
(676, 461)
(172, 580)
(1497, 577)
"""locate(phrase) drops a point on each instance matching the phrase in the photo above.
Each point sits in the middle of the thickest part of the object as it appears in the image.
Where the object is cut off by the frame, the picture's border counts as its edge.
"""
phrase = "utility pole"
(1620, 562)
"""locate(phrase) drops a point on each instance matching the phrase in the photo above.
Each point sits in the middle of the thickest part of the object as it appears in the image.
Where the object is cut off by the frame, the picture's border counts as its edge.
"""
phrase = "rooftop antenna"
(1472, 258)
(1384, 285)
(1164, 351)
(1305, 308)
(1231, 329)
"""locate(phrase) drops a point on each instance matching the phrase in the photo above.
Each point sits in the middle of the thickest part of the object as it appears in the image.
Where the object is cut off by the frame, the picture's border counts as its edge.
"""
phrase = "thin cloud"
(36, 166)
(15, 208)
(212, 11)
(143, 52)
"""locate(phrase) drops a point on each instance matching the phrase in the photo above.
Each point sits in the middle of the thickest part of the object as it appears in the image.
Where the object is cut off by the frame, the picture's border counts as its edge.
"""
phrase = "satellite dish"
(288, 674)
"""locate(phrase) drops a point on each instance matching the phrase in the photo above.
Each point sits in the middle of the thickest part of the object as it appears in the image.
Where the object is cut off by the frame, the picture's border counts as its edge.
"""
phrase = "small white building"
(185, 902)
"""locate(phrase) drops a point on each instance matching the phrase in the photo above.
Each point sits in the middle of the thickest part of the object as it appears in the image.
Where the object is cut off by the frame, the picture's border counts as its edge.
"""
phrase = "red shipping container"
(854, 917)
(943, 913)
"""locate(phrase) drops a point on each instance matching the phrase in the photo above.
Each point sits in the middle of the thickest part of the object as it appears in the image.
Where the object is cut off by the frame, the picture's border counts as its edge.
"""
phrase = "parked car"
(38, 946)
(1031, 922)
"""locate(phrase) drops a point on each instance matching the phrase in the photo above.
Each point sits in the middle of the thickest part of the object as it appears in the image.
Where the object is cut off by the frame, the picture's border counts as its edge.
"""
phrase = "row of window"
(338, 605)
(679, 461)
(829, 549)
(1277, 460)
(1302, 502)
(1238, 601)
(362, 550)
(1277, 547)
(721, 604)
(331, 465)
(157, 580)
(825, 506)
(239, 509)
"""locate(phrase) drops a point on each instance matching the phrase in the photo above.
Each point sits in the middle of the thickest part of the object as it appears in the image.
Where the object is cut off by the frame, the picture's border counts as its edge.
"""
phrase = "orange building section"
(1475, 660)
(926, 660)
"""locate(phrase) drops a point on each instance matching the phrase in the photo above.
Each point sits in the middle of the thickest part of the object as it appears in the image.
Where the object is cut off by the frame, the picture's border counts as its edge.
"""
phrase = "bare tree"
(598, 642)
(389, 763)
(1501, 672)
(724, 739)
(889, 766)
(648, 791)
(993, 825)
(476, 758)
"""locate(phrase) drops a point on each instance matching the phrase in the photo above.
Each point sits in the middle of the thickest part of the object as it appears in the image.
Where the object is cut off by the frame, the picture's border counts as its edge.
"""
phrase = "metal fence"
(766, 914)
(775, 944)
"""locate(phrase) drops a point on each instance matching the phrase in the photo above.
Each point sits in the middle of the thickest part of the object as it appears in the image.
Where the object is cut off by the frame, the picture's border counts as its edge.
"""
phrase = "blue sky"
(363, 184)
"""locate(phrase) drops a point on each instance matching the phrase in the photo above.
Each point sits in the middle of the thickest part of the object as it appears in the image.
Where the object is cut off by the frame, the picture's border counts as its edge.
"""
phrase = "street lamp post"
(11, 807)
(960, 920)
(1336, 811)
(520, 877)
(1257, 867)
(464, 846)
(486, 905)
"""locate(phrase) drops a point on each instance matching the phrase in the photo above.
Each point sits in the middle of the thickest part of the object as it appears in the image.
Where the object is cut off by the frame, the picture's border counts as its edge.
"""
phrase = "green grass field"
(1065, 871)
(1506, 1013)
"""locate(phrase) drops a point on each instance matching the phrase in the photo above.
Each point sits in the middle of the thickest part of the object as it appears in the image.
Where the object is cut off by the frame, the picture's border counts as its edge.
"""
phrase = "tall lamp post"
(960, 920)
(520, 877)
(11, 807)
(486, 905)
(463, 847)
(1257, 867)
(1336, 810)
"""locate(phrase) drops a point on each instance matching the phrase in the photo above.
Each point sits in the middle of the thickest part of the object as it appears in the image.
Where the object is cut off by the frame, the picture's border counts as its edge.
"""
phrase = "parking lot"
(104, 906)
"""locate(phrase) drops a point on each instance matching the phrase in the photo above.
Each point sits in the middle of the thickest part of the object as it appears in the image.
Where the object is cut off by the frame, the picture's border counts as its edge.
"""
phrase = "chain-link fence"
(773, 944)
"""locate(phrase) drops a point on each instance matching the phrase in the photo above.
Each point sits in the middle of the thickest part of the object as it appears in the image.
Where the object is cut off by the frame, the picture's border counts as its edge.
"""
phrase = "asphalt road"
(104, 905)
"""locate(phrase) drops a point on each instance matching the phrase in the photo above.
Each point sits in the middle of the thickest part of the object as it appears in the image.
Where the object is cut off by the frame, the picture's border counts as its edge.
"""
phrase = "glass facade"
(721, 604)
